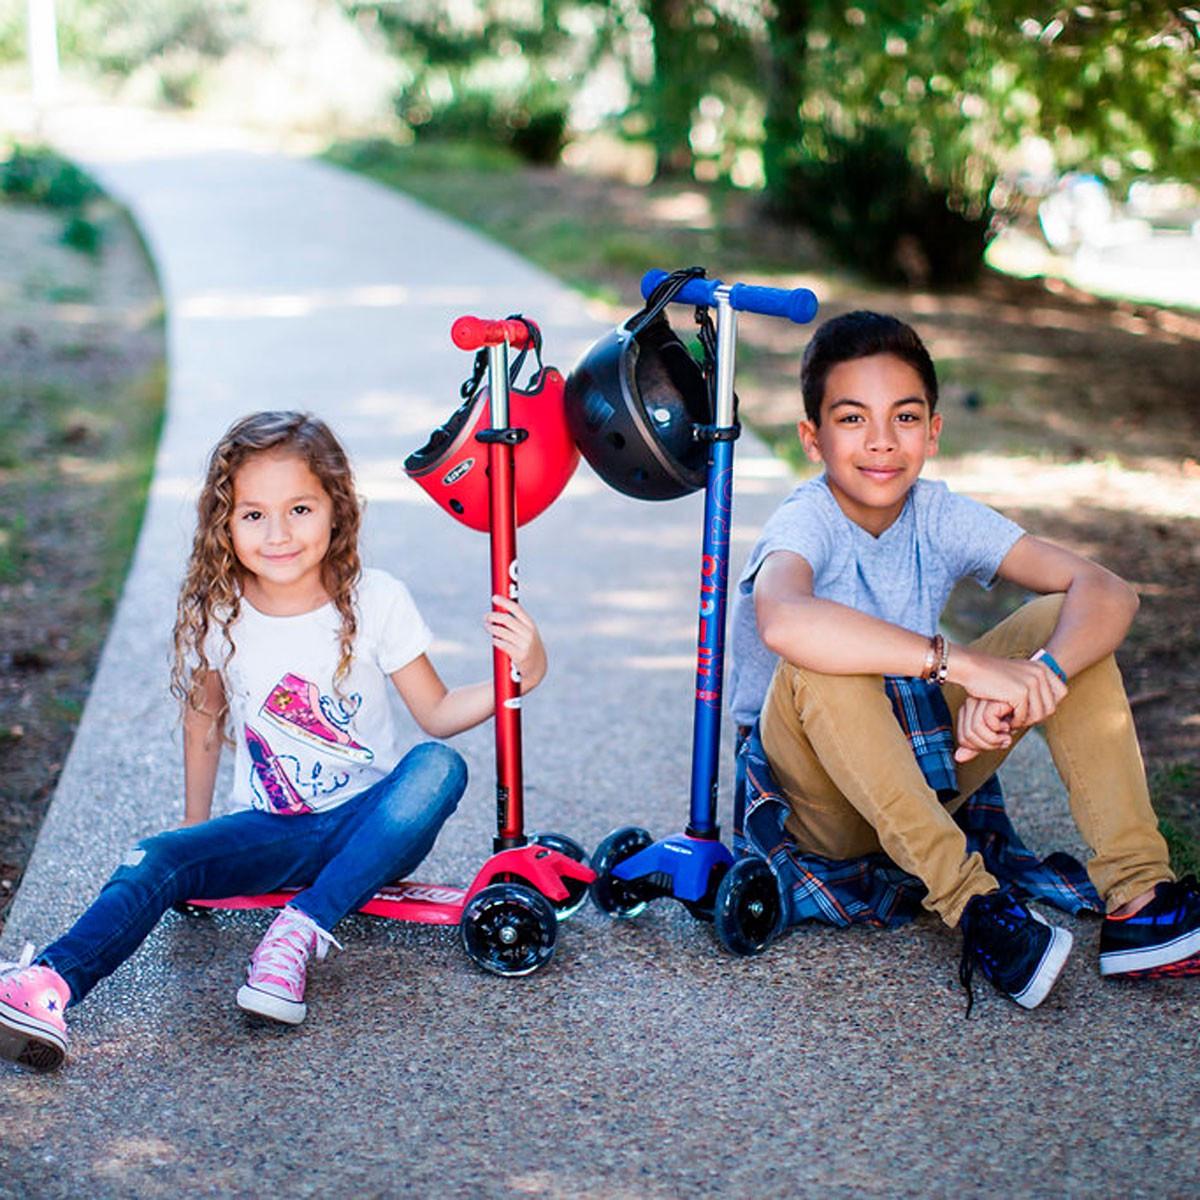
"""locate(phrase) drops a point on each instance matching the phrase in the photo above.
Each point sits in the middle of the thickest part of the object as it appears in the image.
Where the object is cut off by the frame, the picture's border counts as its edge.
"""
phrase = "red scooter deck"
(425, 903)
(541, 867)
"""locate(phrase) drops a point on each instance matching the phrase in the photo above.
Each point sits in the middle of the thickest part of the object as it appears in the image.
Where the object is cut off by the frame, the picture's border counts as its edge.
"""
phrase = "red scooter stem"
(510, 816)
(472, 333)
(510, 808)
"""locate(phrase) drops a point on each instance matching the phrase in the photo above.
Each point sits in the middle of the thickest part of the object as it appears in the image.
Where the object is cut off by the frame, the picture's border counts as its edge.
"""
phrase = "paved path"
(644, 1062)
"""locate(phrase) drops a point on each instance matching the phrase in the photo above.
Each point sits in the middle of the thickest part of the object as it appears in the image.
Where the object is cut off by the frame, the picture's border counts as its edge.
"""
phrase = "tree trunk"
(676, 89)
(787, 48)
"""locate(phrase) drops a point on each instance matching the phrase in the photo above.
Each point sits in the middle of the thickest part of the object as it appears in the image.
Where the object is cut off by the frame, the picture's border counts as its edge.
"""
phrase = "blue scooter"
(740, 897)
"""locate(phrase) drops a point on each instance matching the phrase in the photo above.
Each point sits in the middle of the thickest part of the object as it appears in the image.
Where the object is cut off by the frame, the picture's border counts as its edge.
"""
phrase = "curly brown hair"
(212, 588)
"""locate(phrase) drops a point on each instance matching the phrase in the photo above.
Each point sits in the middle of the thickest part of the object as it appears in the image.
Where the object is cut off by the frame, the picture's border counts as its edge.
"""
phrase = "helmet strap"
(667, 289)
(479, 370)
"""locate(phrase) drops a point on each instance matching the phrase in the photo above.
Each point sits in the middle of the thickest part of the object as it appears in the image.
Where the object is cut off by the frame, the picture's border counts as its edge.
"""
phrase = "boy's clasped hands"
(1003, 696)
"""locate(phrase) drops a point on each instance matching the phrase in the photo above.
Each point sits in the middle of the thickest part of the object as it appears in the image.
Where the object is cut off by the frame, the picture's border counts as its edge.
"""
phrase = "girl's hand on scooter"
(512, 630)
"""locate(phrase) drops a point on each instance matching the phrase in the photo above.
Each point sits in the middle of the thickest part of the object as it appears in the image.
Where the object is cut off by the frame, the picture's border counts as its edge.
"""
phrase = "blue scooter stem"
(710, 641)
(798, 304)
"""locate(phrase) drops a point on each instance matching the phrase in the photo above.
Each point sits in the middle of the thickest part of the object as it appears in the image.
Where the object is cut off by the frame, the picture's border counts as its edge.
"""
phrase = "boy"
(847, 584)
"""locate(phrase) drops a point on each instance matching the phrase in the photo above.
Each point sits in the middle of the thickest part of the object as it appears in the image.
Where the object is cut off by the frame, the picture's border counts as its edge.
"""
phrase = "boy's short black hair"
(859, 335)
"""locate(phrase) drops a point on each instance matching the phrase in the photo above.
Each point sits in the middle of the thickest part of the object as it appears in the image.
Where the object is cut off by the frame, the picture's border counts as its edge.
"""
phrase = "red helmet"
(452, 465)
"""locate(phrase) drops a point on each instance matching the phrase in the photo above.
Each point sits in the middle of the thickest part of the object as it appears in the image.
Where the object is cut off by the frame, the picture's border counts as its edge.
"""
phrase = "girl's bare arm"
(201, 751)
(442, 712)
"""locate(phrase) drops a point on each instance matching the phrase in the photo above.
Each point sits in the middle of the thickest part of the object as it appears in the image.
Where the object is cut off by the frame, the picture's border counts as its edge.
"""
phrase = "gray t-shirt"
(904, 576)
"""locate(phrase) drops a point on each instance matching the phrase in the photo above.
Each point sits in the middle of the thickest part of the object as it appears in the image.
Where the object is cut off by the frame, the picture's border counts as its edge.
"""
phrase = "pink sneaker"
(32, 1000)
(294, 706)
(278, 969)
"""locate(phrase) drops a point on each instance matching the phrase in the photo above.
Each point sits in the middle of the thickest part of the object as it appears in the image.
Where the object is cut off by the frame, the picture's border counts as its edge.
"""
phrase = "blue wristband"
(1044, 656)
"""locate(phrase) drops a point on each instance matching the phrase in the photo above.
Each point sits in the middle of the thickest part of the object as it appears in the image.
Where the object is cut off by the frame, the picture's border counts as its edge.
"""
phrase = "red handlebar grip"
(470, 333)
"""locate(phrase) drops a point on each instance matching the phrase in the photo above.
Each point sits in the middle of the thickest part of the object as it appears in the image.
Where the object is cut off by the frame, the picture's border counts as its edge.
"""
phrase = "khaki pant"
(855, 788)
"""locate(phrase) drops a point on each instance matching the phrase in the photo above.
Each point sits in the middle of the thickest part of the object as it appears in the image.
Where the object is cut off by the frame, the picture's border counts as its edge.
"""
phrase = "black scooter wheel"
(509, 929)
(618, 897)
(577, 890)
(748, 913)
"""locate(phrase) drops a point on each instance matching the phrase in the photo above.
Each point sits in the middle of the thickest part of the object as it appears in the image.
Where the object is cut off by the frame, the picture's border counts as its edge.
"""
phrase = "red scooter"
(509, 914)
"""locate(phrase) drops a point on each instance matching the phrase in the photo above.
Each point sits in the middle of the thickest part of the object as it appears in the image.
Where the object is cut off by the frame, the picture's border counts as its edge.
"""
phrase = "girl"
(283, 639)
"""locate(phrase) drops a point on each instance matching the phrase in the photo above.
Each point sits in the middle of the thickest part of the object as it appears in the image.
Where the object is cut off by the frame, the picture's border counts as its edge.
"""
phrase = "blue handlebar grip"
(695, 291)
(798, 305)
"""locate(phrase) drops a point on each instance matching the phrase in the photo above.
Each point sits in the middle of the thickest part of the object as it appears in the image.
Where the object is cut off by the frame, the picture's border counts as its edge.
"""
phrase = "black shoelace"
(979, 908)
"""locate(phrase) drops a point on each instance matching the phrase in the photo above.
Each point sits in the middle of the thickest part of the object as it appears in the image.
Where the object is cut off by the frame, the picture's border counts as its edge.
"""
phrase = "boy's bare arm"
(822, 635)
(1098, 607)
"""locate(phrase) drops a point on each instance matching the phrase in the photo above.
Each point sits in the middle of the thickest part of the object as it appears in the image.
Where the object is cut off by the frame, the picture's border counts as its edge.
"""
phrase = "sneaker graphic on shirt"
(297, 707)
(32, 1000)
(1160, 940)
(1018, 950)
(273, 779)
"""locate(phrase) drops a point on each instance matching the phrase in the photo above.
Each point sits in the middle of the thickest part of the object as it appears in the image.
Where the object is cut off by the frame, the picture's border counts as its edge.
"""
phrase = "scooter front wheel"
(619, 897)
(577, 890)
(748, 913)
(509, 929)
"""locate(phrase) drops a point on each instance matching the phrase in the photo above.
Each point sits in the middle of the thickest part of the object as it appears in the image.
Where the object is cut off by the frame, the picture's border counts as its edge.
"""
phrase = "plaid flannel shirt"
(872, 890)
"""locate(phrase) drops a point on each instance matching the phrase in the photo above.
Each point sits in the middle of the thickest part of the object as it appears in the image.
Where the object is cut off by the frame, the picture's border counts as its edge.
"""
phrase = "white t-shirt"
(301, 745)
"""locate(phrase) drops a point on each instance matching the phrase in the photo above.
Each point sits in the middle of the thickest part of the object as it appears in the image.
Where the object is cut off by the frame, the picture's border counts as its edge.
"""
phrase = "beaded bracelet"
(937, 660)
(931, 661)
(1047, 659)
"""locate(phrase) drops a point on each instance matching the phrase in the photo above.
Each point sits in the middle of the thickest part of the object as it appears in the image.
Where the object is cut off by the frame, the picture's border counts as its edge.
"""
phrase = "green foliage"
(394, 164)
(83, 235)
(878, 211)
(120, 36)
(533, 127)
(13, 549)
(493, 72)
(702, 52)
(954, 86)
(1183, 848)
(1175, 789)
(39, 176)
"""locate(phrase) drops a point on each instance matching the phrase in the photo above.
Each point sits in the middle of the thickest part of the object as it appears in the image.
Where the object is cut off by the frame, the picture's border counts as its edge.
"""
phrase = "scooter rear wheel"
(748, 913)
(619, 897)
(577, 890)
(509, 929)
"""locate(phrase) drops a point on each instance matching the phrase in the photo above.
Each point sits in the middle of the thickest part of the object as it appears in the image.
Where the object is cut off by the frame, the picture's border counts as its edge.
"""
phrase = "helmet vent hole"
(457, 506)
(616, 441)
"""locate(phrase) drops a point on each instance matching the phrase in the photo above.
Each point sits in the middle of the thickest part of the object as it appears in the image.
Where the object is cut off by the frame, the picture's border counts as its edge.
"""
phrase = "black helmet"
(637, 398)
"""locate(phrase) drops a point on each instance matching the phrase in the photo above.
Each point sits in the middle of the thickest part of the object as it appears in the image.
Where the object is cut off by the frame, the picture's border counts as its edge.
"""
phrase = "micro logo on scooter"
(513, 673)
(457, 472)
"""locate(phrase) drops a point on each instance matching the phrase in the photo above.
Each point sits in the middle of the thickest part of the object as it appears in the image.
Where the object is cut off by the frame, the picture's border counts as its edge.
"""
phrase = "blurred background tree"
(890, 127)
(496, 70)
(894, 125)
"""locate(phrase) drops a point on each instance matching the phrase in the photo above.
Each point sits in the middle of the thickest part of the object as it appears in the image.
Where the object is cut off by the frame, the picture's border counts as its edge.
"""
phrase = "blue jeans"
(340, 858)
